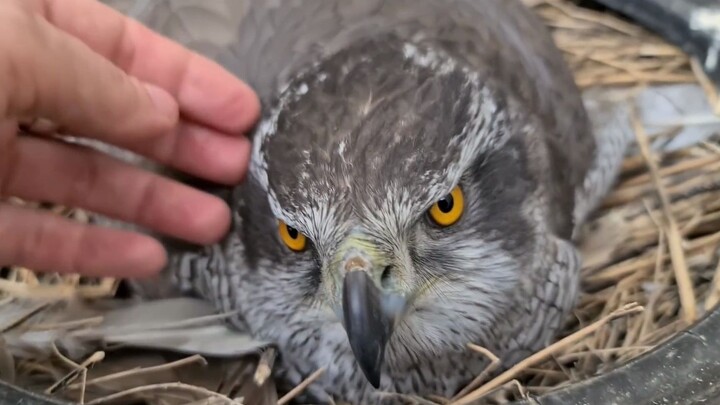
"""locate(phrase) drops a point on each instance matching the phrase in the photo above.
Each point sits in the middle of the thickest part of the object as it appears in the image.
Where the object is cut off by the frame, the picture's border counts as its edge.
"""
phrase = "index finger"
(206, 92)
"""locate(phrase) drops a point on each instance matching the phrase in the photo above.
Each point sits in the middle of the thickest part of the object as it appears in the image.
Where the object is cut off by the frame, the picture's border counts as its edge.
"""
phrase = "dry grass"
(651, 264)
(605, 51)
(629, 260)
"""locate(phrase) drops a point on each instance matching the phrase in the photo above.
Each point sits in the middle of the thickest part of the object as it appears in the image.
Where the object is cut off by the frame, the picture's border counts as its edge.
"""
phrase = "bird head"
(396, 191)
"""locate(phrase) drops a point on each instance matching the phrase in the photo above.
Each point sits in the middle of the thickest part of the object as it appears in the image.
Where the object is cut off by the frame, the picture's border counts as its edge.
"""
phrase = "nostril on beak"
(385, 278)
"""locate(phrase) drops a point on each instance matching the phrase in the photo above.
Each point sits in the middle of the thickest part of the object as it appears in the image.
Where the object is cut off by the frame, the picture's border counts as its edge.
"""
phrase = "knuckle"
(74, 251)
(87, 177)
(8, 160)
(147, 196)
(124, 49)
(32, 242)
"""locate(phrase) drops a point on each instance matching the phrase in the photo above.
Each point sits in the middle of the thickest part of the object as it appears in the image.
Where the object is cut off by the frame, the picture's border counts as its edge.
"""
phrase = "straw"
(652, 245)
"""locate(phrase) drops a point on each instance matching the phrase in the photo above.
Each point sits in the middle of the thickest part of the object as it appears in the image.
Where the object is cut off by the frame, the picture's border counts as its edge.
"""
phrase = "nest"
(651, 266)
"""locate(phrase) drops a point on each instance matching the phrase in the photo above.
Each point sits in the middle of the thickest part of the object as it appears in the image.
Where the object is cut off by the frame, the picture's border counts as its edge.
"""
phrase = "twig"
(298, 389)
(614, 350)
(677, 254)
(707, 85)
(596, 18)
(656, 276)
(520, 388)
(212, 401)
(714, 296)
(52, 292)
(68, 362)
(546, 353)
(494, 363)
(74, 374)
(83, 382)
(438, 399)
(144, 370)
(163, 387)
(264, 368)
(68, 325)
(679, 167)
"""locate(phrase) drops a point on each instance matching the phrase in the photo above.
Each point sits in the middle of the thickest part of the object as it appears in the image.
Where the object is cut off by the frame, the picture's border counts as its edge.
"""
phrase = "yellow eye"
(292, 237)
(448, 209)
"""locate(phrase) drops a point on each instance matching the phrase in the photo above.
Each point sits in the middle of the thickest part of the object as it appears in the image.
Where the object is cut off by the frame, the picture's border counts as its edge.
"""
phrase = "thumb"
(53, 75)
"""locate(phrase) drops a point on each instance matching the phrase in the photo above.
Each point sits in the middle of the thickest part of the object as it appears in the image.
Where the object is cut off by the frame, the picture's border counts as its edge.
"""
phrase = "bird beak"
(370, 317)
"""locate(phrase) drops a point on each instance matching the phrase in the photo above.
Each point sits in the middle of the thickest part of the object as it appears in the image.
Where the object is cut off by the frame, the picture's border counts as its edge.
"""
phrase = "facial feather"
(370, 171)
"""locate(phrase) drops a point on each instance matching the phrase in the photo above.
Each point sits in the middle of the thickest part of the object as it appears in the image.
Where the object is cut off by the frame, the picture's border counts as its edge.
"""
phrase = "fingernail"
(164, 102)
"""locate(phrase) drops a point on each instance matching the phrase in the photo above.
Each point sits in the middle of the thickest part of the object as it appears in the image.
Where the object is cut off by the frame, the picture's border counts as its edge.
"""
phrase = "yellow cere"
(292, 238)
(448, 209)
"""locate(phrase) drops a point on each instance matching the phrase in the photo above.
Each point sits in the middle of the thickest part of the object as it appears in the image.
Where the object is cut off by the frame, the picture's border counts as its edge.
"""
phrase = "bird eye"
(448, 209)
(292, 238)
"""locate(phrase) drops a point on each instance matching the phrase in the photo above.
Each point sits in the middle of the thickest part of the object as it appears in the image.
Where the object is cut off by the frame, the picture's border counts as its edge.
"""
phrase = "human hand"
(98, 74)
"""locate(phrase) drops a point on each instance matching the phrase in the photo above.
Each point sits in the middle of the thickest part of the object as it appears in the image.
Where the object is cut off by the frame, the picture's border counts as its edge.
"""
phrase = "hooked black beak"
(370, 316)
